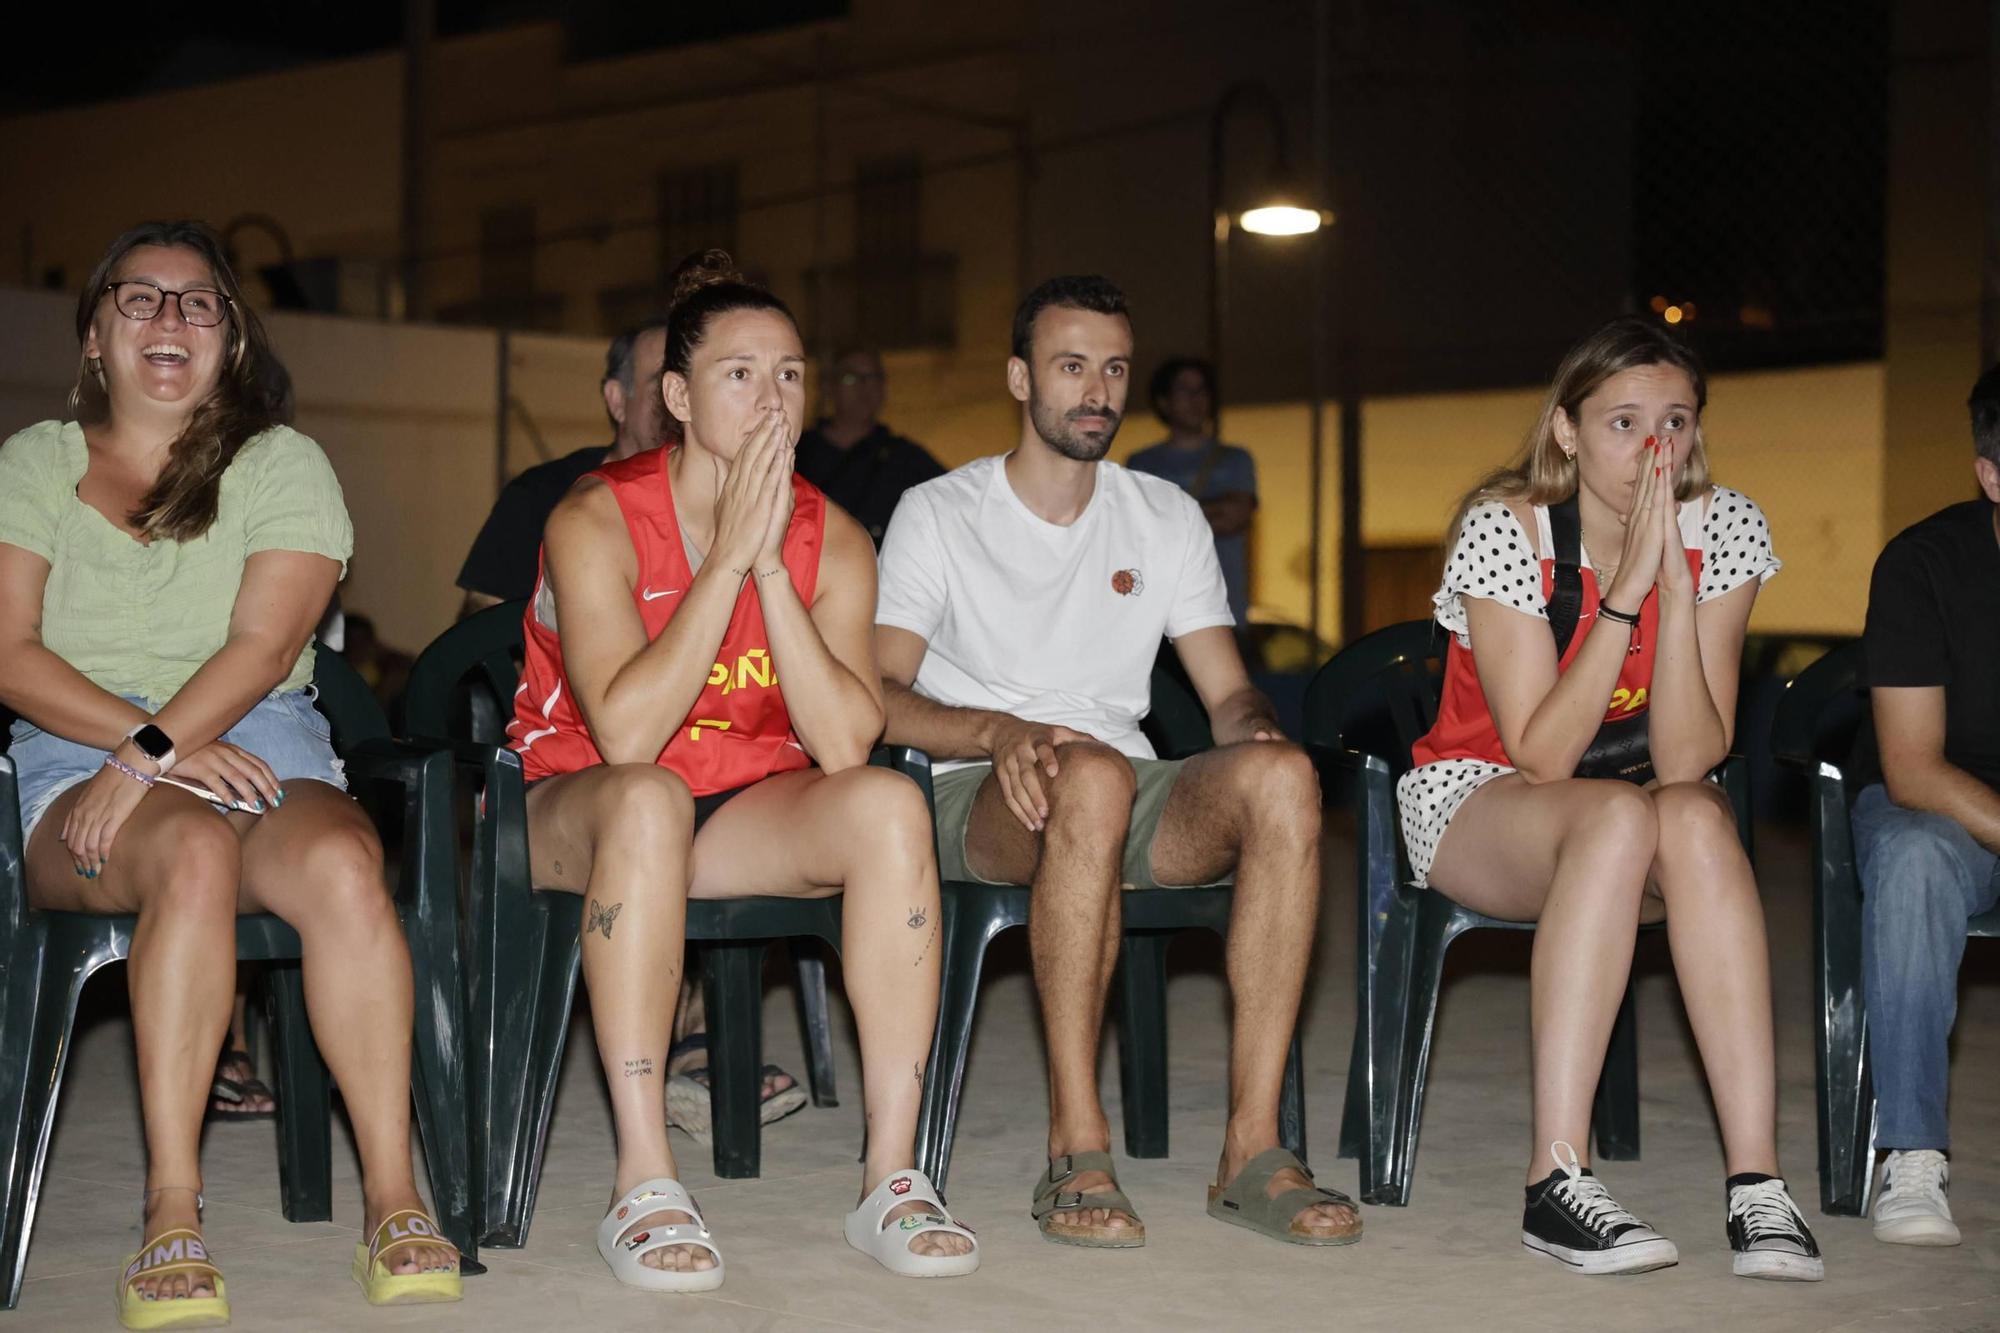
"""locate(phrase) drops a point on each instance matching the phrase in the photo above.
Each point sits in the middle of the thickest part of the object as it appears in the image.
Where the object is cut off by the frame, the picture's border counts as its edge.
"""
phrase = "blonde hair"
(1542, 473)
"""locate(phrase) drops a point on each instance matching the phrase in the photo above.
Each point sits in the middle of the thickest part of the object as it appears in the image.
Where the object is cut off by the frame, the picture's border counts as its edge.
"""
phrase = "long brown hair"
(253, 393)
(1542, 473)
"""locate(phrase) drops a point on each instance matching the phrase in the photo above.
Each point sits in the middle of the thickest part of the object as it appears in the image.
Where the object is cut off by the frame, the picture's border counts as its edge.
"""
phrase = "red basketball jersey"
(1465, 728)
(738, 730)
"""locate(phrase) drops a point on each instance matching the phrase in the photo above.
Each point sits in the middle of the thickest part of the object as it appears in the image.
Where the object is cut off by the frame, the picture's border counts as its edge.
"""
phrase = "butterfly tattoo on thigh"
(601, 917)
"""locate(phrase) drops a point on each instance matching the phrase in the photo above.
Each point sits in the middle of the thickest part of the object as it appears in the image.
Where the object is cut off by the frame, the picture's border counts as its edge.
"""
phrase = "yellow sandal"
(400, 1230)
(177, 1251)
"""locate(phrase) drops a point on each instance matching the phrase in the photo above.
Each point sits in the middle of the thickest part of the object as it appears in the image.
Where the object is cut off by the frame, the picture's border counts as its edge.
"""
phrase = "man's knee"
(1911, 867)
(1278, 785)
(1092, 780)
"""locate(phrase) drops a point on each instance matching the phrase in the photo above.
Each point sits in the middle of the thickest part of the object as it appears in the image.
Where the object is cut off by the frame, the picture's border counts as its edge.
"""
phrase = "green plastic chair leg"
(305, 1124)
(733, 980)
(1840, 1019)
(973, 915)
(1615, 1114)
(814, 1021)
(34, 1046)
(1142, 1041)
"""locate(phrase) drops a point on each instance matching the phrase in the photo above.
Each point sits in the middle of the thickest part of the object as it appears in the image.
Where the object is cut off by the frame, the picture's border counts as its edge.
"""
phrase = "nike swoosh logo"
(656, 596)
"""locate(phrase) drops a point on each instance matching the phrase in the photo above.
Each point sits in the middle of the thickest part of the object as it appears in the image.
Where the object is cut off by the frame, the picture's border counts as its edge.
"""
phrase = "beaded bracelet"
(113, 761)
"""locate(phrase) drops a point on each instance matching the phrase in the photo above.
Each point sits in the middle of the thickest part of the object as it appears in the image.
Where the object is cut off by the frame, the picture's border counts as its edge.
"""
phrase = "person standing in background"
(1223, 477)
(862, 465)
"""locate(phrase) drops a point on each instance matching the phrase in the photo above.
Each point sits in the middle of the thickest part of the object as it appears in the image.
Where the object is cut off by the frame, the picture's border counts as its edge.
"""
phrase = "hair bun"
(703, 268)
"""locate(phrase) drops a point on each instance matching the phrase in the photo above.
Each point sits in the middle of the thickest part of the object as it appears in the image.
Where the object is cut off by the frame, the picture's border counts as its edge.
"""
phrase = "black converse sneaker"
(1572, 1217)
(1767, 1233)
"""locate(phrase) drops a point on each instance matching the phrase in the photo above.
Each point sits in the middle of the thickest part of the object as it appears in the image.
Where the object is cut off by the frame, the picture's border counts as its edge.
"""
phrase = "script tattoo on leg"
(638, 1069)
(601, 917)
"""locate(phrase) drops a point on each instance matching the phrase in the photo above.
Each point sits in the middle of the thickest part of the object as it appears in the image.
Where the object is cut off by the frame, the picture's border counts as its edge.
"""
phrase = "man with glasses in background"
(862, 465)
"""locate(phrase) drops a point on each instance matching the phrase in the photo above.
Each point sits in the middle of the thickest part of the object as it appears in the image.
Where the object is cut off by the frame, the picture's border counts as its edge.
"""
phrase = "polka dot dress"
(1495, 558)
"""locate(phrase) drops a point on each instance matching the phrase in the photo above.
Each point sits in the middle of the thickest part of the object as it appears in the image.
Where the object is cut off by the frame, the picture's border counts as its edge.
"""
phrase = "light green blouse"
(139, 619)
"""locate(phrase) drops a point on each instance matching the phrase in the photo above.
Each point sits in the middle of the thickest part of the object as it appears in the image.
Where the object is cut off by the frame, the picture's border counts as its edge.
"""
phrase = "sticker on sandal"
(900, 1185)
(634, 1242)
(912, 1223)
(622, 1212)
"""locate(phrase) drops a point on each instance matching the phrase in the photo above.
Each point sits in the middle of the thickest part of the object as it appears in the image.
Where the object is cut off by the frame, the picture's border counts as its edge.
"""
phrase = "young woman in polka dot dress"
(1493, 816)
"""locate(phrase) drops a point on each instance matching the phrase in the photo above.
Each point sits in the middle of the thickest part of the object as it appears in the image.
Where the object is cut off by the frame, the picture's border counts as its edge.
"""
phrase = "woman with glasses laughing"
(164, 557)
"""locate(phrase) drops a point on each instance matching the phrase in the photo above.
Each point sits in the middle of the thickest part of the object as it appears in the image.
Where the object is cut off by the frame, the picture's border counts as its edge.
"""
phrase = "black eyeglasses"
(202, 307)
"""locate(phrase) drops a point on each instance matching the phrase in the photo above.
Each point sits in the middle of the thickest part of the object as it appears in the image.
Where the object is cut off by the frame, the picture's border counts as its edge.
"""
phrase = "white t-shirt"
(1058, 625)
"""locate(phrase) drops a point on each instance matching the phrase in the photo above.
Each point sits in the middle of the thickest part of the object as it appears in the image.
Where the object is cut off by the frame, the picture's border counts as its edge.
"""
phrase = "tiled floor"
(1450, 1260)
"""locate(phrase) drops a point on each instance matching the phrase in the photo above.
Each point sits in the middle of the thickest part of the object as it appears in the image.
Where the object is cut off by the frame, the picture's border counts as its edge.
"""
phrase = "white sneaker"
(1911, 1208)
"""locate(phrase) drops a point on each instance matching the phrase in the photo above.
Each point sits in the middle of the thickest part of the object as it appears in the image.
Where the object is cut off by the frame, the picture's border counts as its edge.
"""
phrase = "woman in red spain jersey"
(1494, 817)
(695, 716)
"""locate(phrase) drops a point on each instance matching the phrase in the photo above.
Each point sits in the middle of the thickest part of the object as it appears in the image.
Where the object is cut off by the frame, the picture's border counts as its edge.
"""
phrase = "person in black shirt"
(1927, 836)
(506, 554)
(862, 465)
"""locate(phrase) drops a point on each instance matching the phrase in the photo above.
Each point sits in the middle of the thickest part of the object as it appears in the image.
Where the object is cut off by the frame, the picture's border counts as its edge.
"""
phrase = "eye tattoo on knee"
(638, 1069)
(601, 917)
(917, 918)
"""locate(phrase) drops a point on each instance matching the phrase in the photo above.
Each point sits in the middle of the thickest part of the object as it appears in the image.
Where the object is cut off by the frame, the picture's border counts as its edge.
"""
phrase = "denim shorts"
(284, 730)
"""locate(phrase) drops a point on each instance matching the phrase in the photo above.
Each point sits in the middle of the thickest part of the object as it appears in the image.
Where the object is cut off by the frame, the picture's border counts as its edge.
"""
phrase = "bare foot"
(168, 1210)
(439, 1258)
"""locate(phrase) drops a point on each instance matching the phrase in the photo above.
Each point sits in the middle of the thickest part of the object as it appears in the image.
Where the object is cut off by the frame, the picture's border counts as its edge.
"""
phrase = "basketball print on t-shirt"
(1127, 583)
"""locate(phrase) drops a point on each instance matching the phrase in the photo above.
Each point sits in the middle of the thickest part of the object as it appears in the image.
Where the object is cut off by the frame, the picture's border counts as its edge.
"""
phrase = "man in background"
(502, 564)
(862, 465)
(1222, 477)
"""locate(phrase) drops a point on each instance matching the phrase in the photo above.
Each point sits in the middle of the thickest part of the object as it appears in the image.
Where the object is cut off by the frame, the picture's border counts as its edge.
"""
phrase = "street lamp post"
(1276, 214)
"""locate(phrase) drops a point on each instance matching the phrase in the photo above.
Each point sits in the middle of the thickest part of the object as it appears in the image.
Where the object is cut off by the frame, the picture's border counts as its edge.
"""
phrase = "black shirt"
(868, 478)
(506, 555)
(1934, 619)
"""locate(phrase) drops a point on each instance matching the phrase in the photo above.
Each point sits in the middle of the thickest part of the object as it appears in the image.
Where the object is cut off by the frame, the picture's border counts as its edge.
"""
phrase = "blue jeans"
(1922, 878)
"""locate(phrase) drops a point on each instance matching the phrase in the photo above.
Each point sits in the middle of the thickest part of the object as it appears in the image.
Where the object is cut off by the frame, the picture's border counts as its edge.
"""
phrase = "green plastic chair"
(975, 914)
(1364, 710)
(524, 945)
(46, 957)
(1819, 718)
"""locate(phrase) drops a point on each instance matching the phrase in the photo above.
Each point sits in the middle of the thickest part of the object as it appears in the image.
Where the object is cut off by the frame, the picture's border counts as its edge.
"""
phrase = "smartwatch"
(155, 744)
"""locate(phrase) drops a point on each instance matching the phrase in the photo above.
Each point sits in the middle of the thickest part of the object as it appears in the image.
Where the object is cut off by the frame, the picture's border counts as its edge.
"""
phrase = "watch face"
(152, 742)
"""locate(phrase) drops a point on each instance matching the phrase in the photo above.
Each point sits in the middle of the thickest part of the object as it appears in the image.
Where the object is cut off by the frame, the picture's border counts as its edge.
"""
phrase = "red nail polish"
(1652, 443)
(1656, 472)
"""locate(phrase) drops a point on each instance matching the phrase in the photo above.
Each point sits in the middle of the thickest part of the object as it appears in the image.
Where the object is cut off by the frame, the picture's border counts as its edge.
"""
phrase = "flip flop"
(868, 1230)
(177, 1251)
(403, 1229)
(623, 1253)
(229, 1092)
(1244, 1202)
(1052, 1201)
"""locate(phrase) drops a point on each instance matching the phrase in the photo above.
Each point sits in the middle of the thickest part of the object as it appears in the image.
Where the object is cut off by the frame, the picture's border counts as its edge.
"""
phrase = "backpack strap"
(1566, 596)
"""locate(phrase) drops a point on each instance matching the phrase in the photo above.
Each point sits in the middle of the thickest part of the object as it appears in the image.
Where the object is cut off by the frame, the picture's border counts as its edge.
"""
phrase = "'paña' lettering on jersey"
(754, 667)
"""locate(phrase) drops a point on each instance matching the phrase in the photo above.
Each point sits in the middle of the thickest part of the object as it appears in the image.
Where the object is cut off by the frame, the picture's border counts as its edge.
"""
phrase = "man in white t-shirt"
(1021, 606)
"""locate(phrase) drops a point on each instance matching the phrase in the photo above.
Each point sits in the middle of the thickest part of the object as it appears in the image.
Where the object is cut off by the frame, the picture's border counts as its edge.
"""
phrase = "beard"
(1059, 431)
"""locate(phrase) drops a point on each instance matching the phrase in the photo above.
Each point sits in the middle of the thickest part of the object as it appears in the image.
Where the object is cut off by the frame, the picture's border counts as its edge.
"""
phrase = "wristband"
(113, 761)
(1610, 612)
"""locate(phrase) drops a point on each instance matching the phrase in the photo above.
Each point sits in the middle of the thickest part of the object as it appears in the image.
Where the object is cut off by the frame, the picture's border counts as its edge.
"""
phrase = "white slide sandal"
(623, 1252)
(869, 1231)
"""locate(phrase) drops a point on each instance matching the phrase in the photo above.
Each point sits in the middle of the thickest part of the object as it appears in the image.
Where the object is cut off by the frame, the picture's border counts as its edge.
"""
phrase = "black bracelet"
(1610, 612)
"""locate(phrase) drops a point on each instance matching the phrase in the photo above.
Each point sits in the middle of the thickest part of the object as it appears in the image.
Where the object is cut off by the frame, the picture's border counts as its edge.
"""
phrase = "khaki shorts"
(954, 792)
